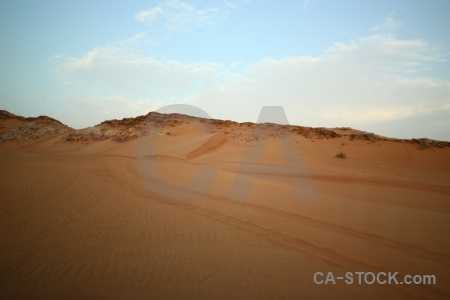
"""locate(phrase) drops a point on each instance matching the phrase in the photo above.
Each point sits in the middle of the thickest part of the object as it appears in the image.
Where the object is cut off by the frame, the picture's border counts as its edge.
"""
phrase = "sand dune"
(98, 219)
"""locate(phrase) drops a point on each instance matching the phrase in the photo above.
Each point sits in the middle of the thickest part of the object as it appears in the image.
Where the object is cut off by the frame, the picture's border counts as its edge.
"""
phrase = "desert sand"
(85, 218)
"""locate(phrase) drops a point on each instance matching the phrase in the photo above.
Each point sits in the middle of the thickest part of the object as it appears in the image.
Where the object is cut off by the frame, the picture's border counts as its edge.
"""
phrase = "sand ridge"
(16, 128)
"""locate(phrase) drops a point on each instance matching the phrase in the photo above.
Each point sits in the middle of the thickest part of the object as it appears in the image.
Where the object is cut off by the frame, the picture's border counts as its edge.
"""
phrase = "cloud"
(130, 72)
(149, 15)
(362, 84)
(388, 25)
(229, 4)
(306, 3)
(388, 51)
(178, 16)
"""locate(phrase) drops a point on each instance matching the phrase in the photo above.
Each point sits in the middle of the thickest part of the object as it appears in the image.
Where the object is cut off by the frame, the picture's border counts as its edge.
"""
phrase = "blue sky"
(380, 66)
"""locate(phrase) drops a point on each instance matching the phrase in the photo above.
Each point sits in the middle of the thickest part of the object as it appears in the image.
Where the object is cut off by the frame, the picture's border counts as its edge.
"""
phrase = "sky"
(379, 66)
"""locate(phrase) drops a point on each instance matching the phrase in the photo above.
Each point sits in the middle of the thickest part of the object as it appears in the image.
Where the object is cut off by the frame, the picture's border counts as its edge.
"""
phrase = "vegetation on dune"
(341, 155)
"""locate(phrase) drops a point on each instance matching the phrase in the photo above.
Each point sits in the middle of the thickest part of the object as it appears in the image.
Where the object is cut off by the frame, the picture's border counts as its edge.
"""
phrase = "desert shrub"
(341, 155)
(423, 146)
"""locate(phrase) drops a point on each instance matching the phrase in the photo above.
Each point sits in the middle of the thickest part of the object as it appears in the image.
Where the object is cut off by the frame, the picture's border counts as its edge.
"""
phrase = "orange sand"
(78, 220)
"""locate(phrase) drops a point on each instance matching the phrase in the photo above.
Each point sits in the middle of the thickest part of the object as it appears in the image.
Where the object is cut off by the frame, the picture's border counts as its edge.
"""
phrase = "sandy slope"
(106, 220)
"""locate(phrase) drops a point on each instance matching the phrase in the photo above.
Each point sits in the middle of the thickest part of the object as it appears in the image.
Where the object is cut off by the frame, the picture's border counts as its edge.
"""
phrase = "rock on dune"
(16, 128)
(127, 128)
